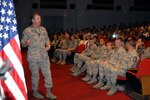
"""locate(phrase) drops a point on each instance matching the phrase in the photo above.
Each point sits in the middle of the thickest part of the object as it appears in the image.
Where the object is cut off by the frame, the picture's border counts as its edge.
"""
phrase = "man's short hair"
(131, 43)
(119, 38)
(33, 15)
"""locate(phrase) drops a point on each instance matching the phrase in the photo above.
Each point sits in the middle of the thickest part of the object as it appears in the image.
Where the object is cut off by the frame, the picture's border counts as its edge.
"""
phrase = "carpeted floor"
(68, 87)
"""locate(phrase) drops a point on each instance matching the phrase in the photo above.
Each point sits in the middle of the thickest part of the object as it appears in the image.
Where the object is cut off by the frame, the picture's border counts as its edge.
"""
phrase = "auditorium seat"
(147, 44)
(139, 79)
(121, 80)
(80, 48)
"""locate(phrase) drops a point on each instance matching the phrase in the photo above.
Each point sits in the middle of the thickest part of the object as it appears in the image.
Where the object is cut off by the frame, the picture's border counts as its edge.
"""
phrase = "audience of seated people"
(82, 58)
(93, 56)
(92, 66)
(109, 52)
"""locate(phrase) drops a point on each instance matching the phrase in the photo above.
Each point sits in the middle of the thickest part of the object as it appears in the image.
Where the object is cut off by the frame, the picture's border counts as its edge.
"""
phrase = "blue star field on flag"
(8, 23)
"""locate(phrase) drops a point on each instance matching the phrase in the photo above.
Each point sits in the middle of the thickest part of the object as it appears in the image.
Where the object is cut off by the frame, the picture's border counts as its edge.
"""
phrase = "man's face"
(139, 41)
(127, 45)
(91, 42)
(84, 37)
(101, 41)
(117, 43)
(55, 36)
(72, 38)
(109, 46)
(77, 36)
(67, 36)
(36, 20)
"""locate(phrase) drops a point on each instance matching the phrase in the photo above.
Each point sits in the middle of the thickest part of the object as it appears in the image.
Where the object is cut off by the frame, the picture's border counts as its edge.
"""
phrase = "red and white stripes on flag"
(14, 86)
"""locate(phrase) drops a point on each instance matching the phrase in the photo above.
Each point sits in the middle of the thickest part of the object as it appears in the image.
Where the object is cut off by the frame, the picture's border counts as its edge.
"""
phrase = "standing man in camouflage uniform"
(36, 39)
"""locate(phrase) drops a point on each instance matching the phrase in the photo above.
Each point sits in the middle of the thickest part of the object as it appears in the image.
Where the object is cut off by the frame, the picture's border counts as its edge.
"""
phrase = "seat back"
(145, 80)
(144, 69)
(144, 74)
(140, 81)
(147, 44)
(80, 48)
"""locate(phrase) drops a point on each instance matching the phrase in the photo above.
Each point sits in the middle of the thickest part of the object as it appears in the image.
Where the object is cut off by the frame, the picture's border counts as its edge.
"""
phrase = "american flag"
(14, 86)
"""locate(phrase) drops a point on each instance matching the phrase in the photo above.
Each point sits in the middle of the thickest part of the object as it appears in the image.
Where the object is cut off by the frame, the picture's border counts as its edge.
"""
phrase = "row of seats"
(137, 78)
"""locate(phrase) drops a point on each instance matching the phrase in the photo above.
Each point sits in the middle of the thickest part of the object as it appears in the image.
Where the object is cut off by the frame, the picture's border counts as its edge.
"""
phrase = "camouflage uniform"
(140, 50)
(62, 51)
(61, 45)
(90, 64)
(92, 68)
(96, 67)
(128, 61)
(63, 54)
(115, 60)
(78, 41)
(146, 53)
(37, 55)
(79, 59)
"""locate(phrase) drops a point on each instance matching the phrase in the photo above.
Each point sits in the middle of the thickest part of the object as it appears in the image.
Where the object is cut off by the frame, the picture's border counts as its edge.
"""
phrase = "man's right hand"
(28, 42)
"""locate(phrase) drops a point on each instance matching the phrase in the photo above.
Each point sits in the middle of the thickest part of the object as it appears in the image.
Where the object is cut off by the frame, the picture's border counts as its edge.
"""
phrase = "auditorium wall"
(80, 16)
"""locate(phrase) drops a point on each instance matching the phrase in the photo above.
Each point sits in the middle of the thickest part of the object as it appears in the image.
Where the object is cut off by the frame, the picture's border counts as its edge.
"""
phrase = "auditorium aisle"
(68, 87)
